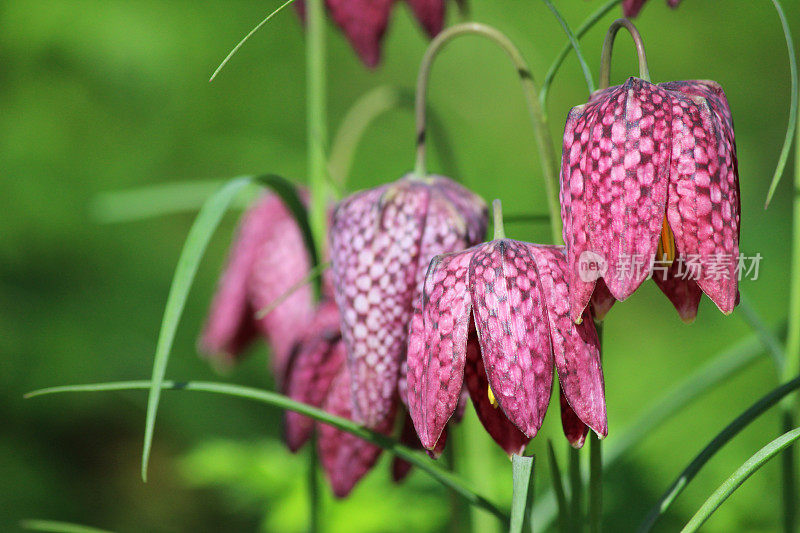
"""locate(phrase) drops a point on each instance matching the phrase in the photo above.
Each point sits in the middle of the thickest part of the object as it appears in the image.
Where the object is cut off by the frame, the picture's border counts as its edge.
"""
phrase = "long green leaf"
(573, 40)
(717, 370)
(791, 128)
(738, 477)
(284, 402)
(522, 496)
(593, 19)
(720, 440)
(193, 249)
(767, 336)
(54, 526)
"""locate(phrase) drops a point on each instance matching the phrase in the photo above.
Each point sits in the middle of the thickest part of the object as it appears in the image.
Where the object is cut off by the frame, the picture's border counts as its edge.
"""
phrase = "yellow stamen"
(666, 244)
(492, 399)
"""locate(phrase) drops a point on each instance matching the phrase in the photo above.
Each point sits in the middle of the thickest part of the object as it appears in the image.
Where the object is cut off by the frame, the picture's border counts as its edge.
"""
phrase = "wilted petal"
(574, 429)
(318, 359)
(437, 344)
(375, 242)
(703, 208)
(576, 348)
(683, 293)
(511, 321)
(429, 13)
(500, 428)
(344, 457)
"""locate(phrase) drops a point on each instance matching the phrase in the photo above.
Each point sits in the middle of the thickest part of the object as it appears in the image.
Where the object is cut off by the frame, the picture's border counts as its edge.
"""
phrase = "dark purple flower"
(364, 22)
(650, 186)
(382, 240)
(516, 296)
(631, 8)
(268, 257)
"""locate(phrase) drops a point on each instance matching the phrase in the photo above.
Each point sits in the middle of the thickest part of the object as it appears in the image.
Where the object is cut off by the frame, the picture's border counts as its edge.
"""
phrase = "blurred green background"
(104, 95)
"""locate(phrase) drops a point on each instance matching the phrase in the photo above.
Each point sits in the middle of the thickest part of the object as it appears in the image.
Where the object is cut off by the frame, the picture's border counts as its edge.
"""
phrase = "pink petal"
(631, 8)
(408, 437)
(602, 300)
(683, 293)
(703, 207)
(574, 429)
(511, 320)
(318, 359)
(500, 428)
(429, 13)
(576, 348)
(437, 344)
(364, 23)
(344, 457)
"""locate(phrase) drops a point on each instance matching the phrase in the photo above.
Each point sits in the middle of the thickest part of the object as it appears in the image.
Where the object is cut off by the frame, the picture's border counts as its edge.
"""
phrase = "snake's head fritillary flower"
(515, 295)
(268, 258)
(382, 240)
(364, 22)
(631, 8)
(650, 186)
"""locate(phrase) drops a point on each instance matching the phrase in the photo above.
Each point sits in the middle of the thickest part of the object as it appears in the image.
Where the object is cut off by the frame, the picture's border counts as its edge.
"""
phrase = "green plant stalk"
(530, 90)
(274, 399)
(475, 465)
(761, 406)
(313, 487)
(593, 19)
(608, 47)
(770, 341)
(738, 477)
(316, 122)
(573, 41)
(596, 466)
(576, 490)
(558, 489)
(522, 502)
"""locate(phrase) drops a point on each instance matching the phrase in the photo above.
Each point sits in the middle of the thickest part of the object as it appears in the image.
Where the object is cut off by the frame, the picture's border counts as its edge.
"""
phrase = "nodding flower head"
(496, 318)
(650, 186)
(364, 22)
(381, 242)
(631, 8)
(267, 258)
(317, 375)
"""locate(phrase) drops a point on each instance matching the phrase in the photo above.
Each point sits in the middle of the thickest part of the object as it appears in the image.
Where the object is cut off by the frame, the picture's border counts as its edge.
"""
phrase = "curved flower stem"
(593, 19)
(417, 459)
(573, 40)
(531, 91)
(316, 113)
(608, 46)
(497, 212)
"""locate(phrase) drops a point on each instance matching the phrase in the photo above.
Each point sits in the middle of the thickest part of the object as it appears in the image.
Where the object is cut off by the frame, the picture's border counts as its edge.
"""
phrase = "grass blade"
(791, 128)
(722, 438)
(573, 40)
(246, 37)
(522, 497)
(768, 338)
(274, 399)
(54, 526)
(739, 477)
(193, 249)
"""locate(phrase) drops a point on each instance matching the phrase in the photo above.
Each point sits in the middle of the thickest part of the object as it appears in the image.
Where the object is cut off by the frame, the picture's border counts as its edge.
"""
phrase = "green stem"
(576, 490)
(274, 399)
(316, 121)
(740, 476)
(538, 119)
(573, 40)
(595, 484)
(608, 47)
(313, 487)
(593, 19)
(475, 465)
(497, 212)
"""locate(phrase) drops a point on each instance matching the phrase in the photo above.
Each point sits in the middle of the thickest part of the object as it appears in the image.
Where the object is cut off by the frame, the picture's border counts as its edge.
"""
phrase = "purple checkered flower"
(631, 8)
(268, 257)
(381, 241)
(496, 318)
(649, 179)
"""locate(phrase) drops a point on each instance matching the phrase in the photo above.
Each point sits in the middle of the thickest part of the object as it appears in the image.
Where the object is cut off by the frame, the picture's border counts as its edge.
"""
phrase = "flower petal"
(602, 300)
(437, 345)
(703, 207)
(344, 457)
(364, 23)
(429, 13)
(318, 359)
(576, 348)
(511, 321)
(408, 436)
(375, 242)
(574, 429)
(500, 428)
(631, 8)
(682, 291)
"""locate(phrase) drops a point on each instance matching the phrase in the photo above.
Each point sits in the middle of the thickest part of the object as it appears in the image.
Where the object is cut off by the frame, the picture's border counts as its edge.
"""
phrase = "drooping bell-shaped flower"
(650, 187)
(381, 242)
(268, 258)
(364, 22)
(317, 375)
(513, 296)
(631, 8)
